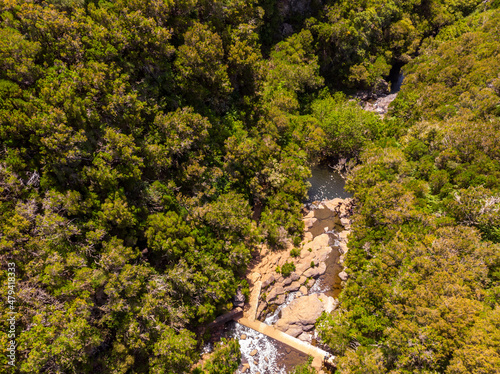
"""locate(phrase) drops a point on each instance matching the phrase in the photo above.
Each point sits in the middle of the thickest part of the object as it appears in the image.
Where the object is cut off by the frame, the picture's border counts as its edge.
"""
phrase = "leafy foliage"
(424, 253)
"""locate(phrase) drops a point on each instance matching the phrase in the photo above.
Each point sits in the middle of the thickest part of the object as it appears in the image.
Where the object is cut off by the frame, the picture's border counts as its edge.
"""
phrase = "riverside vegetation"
(147, 147)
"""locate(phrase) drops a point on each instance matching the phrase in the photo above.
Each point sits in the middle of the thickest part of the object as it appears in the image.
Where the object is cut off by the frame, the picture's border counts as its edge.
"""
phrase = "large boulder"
(318, 242)
(301, 312)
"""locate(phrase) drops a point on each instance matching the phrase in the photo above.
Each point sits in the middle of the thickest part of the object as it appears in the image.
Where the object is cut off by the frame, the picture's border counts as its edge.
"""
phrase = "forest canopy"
(148, 148)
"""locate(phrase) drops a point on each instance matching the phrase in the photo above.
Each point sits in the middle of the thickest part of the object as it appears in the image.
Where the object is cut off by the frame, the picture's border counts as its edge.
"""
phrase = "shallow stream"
(272, 356)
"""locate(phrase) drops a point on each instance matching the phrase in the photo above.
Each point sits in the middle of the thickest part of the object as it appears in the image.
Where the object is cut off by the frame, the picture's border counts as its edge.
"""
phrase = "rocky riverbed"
(293, 303)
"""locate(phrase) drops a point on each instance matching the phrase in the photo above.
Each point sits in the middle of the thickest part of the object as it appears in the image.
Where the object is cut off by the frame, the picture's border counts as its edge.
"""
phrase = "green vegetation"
(225, 359)
(304, 368)
(424, 256)
(295, 252)
(148, 147)
(287, 269)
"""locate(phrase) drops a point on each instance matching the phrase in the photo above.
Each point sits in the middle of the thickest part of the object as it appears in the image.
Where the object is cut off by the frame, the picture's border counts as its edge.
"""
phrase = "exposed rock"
(309, 222)
(279, 300)
(253, 353)
(330, 304)
(298, 318)
(300, 268)
(308, 327)
(308, 237)
(243, 336)
(343, 275)
(343, 247)
(239, 299)
(301, 312)
(262, 306)
(254, 277)
(245, 368)
(312, 272)
(318, 242)
(310, 214)
(321, 268)
(270, 279)
(294, 331)
(343, 235)
(381, 105)
(305, 337)
(255, 362)
(277, 290)
(335, 205)
(322, 254)
(345, 222)
(293, 287)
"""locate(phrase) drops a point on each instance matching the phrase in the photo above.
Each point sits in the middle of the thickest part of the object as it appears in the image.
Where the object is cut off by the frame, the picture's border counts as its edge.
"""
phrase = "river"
(273, 356)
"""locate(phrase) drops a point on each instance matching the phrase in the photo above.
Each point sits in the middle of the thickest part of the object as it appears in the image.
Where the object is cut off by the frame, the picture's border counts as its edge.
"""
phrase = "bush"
(287, 269)
(295, 252)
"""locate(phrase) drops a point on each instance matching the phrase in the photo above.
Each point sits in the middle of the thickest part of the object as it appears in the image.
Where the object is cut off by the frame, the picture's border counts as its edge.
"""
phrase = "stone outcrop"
(302, 313)
(327, 228)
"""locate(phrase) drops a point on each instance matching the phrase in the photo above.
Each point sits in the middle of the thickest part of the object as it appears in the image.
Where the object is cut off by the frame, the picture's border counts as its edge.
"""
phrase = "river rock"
(305, 337)
(309, 222)
(294, 331)
(254, 277)
(343, 235)
(279, 300)
(308, 327)
(260, 308)
(270, 279)
(300, 312)
(303, 290)
(346, 222)
(322, 254)
(278, 290)
(335, 205)
(318, 242)
(312, 272)
(293, 287)
(253, 353)
(302, 279)
(300, 268)
(287, 281)
(343, 247)
(321, 268)
(330, 303)
(294, 276)
(243, 336)
(343, 275)
(309, 214)
(245, 368)
(308, 236)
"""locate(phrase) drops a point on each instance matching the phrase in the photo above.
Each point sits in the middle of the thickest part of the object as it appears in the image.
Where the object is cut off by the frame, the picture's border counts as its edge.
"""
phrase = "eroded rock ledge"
(327, 226)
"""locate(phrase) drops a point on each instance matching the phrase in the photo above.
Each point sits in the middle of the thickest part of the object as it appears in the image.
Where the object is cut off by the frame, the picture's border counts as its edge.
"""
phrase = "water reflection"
(326, 184)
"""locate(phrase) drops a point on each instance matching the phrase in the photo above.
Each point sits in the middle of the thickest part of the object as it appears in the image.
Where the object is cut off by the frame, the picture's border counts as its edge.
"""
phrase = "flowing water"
(273, 357)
